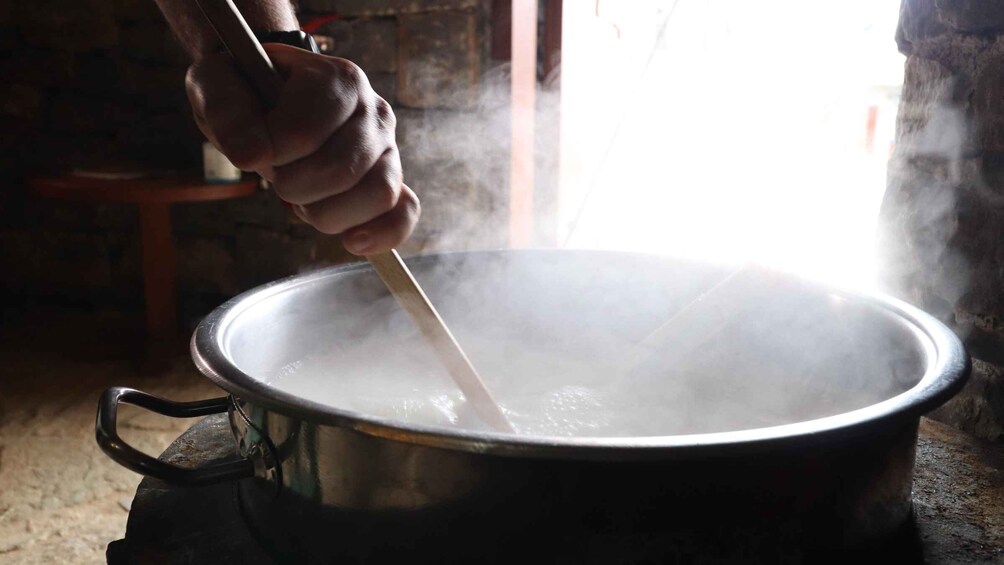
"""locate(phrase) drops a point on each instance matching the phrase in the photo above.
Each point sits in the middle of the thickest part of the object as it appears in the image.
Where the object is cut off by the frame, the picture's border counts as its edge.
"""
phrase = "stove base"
(196, 525)
(189, 525)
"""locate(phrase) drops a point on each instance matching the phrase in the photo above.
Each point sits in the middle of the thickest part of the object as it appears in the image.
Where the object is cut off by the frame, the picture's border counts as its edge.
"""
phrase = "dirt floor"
(61, 499)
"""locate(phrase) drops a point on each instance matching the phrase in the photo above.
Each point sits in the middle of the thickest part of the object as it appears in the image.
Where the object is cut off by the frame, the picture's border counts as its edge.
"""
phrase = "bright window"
(730, 130)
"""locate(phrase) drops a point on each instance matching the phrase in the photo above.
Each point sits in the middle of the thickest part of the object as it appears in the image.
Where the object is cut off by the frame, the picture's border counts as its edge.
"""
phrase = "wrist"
(296, 38)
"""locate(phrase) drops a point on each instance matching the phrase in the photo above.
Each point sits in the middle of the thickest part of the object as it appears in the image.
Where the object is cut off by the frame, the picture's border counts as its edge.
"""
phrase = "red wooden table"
(154, 197)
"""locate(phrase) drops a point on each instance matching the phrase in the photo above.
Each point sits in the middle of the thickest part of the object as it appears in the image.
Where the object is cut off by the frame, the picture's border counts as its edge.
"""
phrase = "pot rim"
(948, 367)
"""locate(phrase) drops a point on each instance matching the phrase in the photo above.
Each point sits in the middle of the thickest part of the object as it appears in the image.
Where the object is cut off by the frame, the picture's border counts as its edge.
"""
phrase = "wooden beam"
(552, 43)
(547, 191)
(501, 17)
(524, 85)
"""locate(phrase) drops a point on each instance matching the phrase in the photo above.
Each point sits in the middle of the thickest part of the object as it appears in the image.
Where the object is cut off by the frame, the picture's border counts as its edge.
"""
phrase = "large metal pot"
(317, 482)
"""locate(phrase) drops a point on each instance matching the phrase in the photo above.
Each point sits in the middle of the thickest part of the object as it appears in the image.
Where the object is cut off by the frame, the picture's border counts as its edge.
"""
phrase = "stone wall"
(96, 82)
(943, 214)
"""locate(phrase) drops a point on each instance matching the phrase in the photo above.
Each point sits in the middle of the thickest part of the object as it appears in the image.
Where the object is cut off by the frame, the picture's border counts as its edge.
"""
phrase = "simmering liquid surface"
(637, 347)
(544, 393)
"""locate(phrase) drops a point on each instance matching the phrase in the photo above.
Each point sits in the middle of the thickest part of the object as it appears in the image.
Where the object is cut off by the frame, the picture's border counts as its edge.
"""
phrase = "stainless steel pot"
(317, 482)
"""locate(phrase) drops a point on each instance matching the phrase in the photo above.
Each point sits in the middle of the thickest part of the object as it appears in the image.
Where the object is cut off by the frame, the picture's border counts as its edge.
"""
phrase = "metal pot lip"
(945, 376)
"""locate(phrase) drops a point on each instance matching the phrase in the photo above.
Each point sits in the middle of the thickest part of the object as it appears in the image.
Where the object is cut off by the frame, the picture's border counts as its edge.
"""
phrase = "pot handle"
(131, 458)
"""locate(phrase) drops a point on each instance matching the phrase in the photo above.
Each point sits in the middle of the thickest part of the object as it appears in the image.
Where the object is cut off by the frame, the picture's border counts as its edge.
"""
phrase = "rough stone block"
(220, 219)
(13, 133)
(127, 261)
(988, 105)
(76, 216)
(264, 255)
(80, 26)
(207, 264)
(60, 152)
(918, 20)
(97, 75)
(8, 38)
(383, 7)
(202, 219)
(89, 114)
(22, 101)
(263, 210)
(971, 15)
(462, 207)
(137, 11)
(458, 163)
(156, 86)
(478, 138)
(370, 43)
(40, 68)
(8, 29)
(932, 119)
(53, 260)
(151, 42)
(168, 140)
(385, 85)
(439, 63)
(979, 408)
(330, 251)
(979, 231)
(924, 238)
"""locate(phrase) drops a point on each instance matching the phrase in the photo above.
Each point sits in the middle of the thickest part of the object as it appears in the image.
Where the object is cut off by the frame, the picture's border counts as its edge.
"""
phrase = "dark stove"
(202, 525)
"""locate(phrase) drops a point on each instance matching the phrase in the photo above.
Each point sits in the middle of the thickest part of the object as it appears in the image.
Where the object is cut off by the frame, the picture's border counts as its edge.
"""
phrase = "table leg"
(158, 271)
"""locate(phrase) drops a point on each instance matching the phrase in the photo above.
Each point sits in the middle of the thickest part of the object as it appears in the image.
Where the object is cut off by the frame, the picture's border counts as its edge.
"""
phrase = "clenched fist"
(327, 145)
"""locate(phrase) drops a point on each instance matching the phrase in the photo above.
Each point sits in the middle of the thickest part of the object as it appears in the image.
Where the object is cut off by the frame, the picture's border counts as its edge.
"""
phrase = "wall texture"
(943, 214)
(91, 83)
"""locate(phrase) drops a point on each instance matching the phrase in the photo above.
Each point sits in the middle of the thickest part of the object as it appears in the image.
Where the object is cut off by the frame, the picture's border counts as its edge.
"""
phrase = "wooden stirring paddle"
(237, 37)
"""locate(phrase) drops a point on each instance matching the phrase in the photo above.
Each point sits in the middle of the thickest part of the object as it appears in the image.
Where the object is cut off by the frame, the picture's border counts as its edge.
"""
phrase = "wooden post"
(158, 270)
(547, 190)
(524, 84)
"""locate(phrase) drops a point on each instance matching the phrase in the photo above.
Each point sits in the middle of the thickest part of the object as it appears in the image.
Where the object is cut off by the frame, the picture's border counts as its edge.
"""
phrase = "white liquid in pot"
(542, 392)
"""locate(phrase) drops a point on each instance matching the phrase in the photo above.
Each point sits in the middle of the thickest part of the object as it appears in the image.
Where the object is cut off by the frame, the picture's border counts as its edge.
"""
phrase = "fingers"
(376, 194)
(319, 96)
(228, 112)
(387, 231)
(327, 143)
(339, 164)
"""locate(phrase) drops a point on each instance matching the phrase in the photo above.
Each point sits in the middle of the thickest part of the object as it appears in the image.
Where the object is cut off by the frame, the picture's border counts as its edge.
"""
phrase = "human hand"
(327, 145)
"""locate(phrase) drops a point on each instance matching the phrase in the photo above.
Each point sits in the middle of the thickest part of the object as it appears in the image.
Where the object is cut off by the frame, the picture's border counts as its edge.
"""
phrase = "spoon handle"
(238, 38)
(412, 298)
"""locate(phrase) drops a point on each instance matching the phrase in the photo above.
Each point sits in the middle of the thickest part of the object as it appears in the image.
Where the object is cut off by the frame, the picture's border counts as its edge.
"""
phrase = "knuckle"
(399, 231)
(192, 76)
(325, 225)
(199, 73)
(316, 218)
(390, 163)
(194, 91)
(385, 114)
(356, 161)
(412, 205)
(245, 151)
(286, 190)
(354, 74)
(243, 160)
(386, 194)
(305, 140)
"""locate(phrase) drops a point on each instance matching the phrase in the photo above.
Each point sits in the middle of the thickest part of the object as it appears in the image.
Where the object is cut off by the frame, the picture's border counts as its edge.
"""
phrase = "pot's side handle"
(131, 458)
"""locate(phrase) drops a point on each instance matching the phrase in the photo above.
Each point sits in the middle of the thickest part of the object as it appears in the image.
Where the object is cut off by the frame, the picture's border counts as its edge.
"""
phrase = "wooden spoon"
(237, 37)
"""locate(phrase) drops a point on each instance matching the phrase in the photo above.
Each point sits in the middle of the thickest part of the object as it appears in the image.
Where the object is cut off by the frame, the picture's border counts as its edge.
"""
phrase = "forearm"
(196, 35)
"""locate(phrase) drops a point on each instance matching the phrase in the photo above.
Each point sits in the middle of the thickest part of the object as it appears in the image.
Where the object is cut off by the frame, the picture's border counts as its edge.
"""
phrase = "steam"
(920, 208)
(552, 333)
(457, 160)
